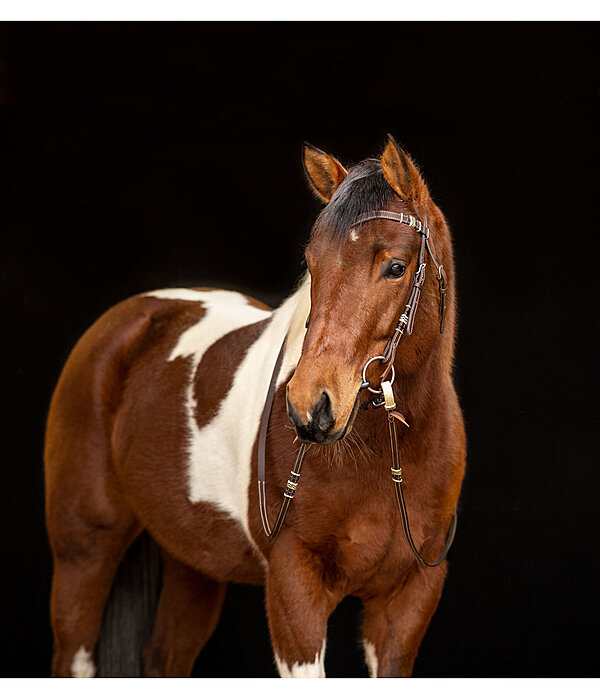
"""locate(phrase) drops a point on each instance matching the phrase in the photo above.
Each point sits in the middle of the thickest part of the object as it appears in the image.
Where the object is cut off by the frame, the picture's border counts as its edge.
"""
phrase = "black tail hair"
(130, 611)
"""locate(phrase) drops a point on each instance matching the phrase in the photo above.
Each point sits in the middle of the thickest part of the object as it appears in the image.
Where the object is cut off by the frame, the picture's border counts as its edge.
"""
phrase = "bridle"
(384, 395)
(407, 318)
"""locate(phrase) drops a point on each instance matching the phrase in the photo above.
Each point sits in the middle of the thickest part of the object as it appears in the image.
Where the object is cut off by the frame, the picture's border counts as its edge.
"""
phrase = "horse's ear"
(324, 172)
(401, 173)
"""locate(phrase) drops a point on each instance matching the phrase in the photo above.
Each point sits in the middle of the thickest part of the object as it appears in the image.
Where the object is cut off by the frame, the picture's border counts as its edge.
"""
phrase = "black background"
(142, 156)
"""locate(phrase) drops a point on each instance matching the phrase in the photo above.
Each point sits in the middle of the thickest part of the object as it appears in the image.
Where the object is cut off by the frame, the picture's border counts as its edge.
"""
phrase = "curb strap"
(262, 442)
(392, 415)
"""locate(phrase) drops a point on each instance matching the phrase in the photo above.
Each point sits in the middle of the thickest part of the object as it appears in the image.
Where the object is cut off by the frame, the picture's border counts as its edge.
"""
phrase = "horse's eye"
(395, 270)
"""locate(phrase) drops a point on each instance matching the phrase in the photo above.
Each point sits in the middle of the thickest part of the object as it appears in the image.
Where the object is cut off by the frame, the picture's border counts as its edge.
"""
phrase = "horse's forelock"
(364, 189)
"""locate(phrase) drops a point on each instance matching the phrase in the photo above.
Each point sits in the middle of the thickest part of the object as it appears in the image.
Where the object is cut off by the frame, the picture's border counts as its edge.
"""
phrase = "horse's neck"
(417, 393)
(299, 300)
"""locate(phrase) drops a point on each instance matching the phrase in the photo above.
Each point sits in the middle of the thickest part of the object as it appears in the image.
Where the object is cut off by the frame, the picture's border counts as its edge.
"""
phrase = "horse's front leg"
(394, 625)
(298, 607)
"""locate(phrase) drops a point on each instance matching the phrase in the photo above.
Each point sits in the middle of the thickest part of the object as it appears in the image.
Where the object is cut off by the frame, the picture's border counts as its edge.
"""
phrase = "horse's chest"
(360, 547)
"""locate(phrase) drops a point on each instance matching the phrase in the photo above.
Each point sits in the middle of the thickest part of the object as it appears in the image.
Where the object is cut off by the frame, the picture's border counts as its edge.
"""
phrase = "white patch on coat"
(314, 669)
(353, 235)
(220, 452)
(82, 665)
(225, 312)
(181, 293)
(370, 658)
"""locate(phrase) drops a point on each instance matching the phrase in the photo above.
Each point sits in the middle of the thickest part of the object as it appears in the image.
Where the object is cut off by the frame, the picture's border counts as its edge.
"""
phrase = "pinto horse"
(154, 426)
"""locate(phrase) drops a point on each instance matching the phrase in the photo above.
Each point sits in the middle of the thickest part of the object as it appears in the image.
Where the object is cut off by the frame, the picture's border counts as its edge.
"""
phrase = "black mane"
(364, 189)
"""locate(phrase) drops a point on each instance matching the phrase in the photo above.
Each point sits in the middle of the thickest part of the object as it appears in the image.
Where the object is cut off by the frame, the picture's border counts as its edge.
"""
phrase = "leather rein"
(384, 396)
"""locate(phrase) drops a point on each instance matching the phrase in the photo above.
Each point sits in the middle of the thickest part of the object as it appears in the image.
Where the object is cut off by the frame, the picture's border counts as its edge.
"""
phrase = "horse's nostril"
(322, 416)
(318, 422)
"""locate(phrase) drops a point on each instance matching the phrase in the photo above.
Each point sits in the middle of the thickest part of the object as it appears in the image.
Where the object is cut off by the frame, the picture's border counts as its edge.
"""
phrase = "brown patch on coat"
(216, 371)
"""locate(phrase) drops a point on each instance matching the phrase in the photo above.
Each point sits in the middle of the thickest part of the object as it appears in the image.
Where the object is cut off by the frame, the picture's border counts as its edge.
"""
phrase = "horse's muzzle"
(317, 423)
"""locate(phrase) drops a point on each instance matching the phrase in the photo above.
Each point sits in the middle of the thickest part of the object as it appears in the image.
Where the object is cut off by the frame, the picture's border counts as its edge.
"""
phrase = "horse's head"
(362, 276)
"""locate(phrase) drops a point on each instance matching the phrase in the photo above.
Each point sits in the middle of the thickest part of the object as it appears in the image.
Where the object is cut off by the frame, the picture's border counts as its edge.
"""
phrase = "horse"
(154, 427)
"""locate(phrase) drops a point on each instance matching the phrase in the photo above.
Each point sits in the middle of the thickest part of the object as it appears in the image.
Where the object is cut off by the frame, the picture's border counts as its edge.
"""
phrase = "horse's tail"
(130, 611)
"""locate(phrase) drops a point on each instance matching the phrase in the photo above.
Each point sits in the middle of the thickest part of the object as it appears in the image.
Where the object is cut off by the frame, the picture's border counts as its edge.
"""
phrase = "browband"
(393, 216)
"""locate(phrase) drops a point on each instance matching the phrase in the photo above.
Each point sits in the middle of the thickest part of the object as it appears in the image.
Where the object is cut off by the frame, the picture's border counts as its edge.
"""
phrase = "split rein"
(384, 396)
